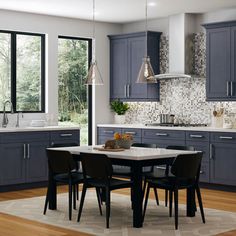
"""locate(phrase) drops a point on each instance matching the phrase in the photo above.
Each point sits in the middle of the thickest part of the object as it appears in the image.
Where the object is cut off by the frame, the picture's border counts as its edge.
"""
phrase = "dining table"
(136, 158)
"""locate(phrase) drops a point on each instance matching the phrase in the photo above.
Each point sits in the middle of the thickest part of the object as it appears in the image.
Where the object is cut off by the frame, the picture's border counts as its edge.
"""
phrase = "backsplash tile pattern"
(185, 98)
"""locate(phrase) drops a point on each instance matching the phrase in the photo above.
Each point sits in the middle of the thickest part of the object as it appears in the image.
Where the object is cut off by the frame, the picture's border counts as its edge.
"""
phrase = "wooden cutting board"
(109, 150)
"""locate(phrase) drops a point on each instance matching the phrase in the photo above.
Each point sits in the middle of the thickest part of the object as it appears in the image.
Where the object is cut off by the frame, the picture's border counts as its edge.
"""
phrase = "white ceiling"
(118, 11)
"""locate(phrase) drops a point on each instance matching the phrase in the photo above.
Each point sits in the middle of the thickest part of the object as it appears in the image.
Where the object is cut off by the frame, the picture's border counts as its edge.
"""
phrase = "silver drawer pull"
(65, 135)
(196, 136)
(226, 137)
(108, 131)
(160, 168)
(28, 154)
(161, 134)
(24, 156)
(202, 172)
(130, 132)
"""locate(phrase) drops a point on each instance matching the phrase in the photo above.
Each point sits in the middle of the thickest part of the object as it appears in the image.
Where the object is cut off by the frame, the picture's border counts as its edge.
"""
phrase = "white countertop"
(134, 153)
(141, 126)
(45, 128)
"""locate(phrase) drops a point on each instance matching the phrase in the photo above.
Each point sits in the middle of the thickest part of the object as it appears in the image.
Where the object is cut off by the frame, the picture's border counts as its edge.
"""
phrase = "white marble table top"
(134, 153)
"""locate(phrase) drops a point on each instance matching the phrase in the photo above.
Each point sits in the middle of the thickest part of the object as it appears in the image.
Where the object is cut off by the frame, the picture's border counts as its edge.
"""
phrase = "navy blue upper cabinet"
(221, 53)
(126, 54)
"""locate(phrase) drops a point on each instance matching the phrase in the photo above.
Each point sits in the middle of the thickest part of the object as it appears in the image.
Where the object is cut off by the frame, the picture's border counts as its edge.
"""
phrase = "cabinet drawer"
(223, 137)
(164, 143)
(25, 137)
(163, 134)
(133, 132)
(197, 135)
(109, 132)
(65, 135)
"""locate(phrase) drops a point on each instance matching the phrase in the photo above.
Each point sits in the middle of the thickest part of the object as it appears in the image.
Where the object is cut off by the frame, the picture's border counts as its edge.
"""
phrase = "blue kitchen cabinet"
(221, 54)
(223, 158)
(163, 138)
(23, 157)
(126, 54)
(136, 134)
(106, 133)
(200, 141)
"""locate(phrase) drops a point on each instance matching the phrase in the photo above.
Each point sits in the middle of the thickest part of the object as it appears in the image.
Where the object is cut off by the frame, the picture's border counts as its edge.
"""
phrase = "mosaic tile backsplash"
(185, 98)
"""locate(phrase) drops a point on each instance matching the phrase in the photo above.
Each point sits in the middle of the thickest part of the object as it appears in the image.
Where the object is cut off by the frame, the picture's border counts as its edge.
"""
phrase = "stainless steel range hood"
(181, 27)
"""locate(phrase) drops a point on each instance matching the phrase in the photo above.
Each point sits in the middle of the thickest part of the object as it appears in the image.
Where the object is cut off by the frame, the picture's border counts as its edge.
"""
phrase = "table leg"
(52, 197)
(191, 202)
(137, 195)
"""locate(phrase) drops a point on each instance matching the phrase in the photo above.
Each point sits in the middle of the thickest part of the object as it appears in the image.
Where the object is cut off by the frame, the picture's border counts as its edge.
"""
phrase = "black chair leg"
(77, 192)
(74, 196)
(70, 201)
(200, 203)
(176, 208)
(46, 203)
(107, 206)
(156, 195)
(166, 198)
(99, 200)
(146, 201)
(170, 202)
(81, 202)
(144, 186)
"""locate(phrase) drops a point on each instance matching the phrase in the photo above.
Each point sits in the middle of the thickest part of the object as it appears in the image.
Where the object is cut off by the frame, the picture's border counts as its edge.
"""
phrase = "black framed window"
(22, 70)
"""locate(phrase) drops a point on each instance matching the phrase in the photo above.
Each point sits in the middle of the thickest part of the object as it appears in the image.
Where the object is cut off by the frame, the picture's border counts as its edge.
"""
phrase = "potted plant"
(119, 108)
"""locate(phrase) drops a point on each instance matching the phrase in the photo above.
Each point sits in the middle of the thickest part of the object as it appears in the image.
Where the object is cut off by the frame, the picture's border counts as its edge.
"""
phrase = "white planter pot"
(119, 119)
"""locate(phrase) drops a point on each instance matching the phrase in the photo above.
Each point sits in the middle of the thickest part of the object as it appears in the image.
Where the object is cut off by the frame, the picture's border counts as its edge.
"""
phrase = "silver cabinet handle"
(24, 155)
(128, 92)
(28, 151)
(231, 88)
(130, 132)
(196, 136)
(202, 172)
(226, 137)
(65, 135)
(125, 87)
(211, 151)
(160, 168)
(108, 131)
(227, 88)
(161, 134)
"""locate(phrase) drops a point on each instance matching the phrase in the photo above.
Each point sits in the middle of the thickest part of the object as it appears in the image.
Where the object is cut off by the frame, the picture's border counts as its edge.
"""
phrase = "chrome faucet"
(5, 118)
(18, 119)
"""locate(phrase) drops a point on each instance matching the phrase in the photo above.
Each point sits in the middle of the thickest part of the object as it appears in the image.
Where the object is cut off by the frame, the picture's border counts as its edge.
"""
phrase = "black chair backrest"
(60, 161)
(145, 145)
(185, 148)
(187, 165)
(64, 144)
(97, 166)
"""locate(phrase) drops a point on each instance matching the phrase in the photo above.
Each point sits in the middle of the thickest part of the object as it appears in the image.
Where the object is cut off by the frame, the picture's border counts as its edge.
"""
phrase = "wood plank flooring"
(15, 226)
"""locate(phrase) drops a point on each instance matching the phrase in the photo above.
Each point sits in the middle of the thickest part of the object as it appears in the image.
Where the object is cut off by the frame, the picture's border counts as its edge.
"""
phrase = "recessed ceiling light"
(152, 4)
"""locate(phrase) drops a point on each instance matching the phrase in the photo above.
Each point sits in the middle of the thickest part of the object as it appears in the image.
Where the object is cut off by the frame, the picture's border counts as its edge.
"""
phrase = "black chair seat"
(76, 177)
(113, 183)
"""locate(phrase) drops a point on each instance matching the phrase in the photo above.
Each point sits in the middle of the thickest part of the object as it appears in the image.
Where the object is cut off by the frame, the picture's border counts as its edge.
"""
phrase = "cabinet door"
(161, 143)
(218, 64)
(233, 61)
(135, 57)
(36, 162)
(223, 163)
(12, 160)
(118, 68)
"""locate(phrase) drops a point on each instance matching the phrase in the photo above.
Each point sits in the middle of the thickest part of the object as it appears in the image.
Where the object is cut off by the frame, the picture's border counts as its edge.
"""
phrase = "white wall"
(54, 26)
(160, 24)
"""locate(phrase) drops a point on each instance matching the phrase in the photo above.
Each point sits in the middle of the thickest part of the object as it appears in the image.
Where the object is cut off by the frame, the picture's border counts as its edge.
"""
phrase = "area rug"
(156, 222)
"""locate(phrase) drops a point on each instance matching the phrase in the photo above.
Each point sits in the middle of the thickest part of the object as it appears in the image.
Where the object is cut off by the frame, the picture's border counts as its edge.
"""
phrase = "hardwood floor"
(15, 226)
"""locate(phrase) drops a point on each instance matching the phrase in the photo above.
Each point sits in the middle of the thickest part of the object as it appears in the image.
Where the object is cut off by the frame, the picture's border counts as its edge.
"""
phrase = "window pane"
(28, 74)
(5, 68)
(72, 100)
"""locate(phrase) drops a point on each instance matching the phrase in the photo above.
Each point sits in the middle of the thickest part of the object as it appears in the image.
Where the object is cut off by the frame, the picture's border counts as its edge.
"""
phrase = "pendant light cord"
(93, 39)
(146, 27)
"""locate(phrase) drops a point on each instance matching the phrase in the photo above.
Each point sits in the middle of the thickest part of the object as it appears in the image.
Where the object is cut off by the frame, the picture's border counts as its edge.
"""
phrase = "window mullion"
(13, 70)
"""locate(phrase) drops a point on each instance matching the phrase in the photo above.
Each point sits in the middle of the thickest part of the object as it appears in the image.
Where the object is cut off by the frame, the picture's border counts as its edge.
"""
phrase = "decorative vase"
(124, 143)
(119, 119)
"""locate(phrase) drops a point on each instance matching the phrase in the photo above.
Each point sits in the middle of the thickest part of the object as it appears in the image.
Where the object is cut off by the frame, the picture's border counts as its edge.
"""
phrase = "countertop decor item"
(123, 140)
(120, 109)
(217, 118)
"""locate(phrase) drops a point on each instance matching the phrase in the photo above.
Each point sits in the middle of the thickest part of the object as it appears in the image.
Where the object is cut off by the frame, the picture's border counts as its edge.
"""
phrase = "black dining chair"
(185, 172)
(62, 169)
(162, 171)
(97, 171)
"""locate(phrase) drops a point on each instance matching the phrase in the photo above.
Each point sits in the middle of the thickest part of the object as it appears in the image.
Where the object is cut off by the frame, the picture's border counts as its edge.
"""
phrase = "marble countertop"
(45, 128)
(141, 126)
